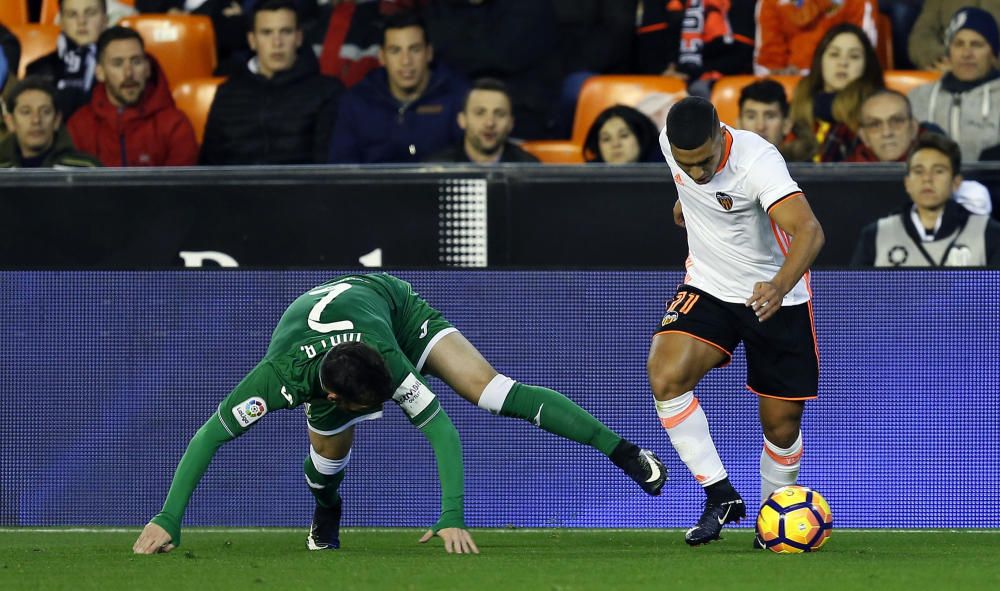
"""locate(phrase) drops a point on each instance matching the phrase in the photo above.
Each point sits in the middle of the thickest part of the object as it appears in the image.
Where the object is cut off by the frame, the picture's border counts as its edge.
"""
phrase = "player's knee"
(494, 393)
(668, 383)
(783, 435)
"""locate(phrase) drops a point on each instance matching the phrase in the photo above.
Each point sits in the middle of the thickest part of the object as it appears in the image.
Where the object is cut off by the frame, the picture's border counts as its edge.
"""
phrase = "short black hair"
(104, 5)
(692, 121)
(356, 373)
(403, 20)
(765, 91)
(31, 83)
(272, 6)
(493, 84)
(942, 143)
(117, 33)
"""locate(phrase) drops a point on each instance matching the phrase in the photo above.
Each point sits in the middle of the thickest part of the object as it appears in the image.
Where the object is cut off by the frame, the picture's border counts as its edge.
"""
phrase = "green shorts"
(416, 325)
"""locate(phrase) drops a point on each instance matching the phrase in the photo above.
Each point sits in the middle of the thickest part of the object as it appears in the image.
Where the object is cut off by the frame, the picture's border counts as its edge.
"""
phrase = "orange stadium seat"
(50, 12)
(194, 96)
(555, 151)
(36, 41)
(183, 44)
(906, 80)
(601, 92)
(726, 93)
(13, 12)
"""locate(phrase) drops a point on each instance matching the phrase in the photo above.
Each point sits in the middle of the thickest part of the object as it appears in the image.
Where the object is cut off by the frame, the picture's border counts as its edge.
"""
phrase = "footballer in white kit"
(751, 239)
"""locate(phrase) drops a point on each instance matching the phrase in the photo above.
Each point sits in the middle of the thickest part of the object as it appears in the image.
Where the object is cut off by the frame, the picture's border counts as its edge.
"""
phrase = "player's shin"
(687, 427)
(779, 466)
(324, 476)
(548, 410)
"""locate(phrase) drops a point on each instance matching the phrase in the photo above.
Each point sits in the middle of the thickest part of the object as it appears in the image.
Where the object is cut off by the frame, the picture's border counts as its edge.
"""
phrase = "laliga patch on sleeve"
(413, 396)
(248, 411)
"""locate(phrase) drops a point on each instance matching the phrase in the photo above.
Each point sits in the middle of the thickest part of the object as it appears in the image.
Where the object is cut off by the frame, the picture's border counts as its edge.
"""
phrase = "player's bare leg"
(779, 460)
(324, 470)
(781, 457)
(456, 361)
(677, 362)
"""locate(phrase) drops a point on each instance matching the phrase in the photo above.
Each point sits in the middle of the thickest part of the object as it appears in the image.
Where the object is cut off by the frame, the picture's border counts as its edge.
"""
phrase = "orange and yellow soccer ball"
(794, 519)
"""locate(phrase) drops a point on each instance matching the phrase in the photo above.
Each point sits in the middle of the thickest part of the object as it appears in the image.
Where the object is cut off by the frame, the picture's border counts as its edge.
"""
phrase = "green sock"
(559, 415)
(327, 496)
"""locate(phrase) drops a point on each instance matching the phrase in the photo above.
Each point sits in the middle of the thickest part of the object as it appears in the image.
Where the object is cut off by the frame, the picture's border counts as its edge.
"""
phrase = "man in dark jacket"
(487, 118)
(72, 65)
(35, 140)
(131, 120)
(404, 111)
(278, 109)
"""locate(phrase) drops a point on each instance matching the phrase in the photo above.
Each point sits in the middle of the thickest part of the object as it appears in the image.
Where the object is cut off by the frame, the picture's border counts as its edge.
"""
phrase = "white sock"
(687, 427)
(778, 466)
(495, 393)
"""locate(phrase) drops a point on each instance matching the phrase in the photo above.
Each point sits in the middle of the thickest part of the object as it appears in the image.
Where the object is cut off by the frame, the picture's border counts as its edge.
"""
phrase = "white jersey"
(732, 241)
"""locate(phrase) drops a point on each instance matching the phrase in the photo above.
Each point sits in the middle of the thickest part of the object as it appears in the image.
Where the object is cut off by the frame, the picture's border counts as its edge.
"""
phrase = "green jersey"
(378, 310)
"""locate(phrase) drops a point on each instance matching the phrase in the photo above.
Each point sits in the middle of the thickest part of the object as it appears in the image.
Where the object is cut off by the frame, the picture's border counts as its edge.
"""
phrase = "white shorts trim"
(434, 340)
(346, 426)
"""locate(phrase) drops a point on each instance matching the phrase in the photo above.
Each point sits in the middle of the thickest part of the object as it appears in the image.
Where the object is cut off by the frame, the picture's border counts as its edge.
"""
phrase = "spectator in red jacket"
(131, 119)
(788, 32)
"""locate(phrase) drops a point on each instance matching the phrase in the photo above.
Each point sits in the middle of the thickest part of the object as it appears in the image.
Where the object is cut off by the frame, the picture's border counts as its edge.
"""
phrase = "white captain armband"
(413, 396)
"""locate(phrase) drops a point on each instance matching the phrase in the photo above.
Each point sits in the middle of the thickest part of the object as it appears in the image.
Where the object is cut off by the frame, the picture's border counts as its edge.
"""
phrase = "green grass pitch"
(511, 560)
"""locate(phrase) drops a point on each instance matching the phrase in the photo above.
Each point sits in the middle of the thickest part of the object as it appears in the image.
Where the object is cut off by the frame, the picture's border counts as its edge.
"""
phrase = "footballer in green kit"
(343, 349)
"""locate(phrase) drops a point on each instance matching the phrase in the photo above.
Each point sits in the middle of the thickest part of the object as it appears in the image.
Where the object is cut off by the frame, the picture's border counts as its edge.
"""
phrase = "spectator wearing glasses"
(888, 132)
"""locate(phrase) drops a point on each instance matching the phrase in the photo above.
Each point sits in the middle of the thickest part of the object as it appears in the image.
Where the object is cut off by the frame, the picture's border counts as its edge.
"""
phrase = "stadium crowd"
(242, 82)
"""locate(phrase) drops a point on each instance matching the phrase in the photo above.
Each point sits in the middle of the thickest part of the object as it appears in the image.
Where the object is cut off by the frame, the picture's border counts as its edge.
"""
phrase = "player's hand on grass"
(766, 299)
(456, 540)
(678, 214)
(153, 539)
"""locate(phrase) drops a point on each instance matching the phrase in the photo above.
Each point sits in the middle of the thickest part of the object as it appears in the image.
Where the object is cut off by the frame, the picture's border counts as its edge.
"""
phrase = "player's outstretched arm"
(163, 532)
(795, 218)
(443, 437)
(456, 540)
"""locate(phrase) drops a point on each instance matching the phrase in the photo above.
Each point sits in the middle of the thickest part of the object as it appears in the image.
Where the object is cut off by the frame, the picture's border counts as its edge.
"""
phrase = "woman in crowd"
(622, 135)
(826, 106)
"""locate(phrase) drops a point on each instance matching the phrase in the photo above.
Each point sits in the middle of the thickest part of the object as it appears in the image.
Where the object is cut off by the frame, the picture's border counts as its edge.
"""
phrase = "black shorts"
(782, 357)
